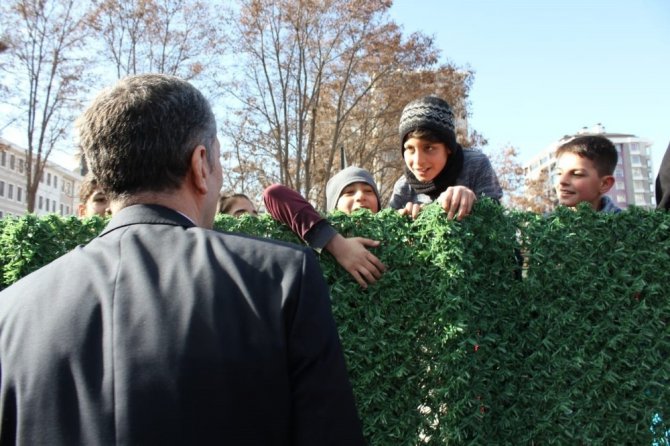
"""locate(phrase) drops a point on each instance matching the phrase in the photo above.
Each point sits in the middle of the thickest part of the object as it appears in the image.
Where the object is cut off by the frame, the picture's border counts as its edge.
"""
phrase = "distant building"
(633, 173)
(57, 193)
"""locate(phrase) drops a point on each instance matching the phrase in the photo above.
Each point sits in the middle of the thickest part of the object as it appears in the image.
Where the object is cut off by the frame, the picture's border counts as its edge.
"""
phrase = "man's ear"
(606, 183)
(200, 169)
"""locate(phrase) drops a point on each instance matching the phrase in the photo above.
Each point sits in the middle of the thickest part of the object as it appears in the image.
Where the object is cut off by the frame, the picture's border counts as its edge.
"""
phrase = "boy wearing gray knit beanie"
(349, 190)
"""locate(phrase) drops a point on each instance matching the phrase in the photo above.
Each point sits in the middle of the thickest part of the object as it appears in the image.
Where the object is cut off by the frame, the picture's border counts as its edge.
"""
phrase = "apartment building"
(634, 173)
(57, 192)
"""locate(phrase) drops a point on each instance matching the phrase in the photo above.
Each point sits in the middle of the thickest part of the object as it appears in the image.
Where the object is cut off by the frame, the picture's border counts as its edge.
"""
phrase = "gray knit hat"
(344, 178)
(430, 113)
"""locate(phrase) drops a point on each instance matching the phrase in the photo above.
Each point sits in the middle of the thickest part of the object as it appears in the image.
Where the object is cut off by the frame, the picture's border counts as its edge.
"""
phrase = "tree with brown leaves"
(521, 192)
(44, 75)
(321, 78)
(177, 37)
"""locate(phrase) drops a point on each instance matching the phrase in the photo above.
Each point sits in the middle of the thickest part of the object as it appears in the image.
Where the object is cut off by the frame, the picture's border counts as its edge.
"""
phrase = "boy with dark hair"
(436, 168)
(92, 199)
(584, 169)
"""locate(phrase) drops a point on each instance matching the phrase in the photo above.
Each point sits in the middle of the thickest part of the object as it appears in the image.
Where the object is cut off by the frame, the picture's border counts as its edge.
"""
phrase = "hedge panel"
(453, 346)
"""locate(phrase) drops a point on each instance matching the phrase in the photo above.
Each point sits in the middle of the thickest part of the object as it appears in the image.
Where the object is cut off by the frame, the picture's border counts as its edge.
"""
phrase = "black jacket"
(663, 182)
(159, 332)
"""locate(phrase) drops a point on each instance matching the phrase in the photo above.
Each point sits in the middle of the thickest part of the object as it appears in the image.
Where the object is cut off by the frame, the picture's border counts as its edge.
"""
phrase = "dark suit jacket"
(663, 182)
(159, 332)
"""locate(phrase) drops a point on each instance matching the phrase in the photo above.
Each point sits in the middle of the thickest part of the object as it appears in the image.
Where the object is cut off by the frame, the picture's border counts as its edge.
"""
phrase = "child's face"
(357, 196)
(577, 180)
(425, 159)
(96, 204)
(242, 206)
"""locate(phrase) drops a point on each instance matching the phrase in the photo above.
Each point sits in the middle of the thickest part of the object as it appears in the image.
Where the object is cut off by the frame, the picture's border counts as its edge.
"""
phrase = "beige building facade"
(57, 193)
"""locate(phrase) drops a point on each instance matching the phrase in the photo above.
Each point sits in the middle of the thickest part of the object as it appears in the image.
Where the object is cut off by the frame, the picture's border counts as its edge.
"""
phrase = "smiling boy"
(436, 168)
(584, 172)
(349, 190)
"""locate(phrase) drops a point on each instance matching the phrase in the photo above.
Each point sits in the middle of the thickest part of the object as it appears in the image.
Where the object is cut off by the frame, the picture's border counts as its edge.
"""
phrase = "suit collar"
(147, 214)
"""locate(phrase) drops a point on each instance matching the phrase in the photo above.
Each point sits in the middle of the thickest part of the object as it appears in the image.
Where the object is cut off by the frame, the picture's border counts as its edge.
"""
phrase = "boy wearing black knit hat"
(436, 166)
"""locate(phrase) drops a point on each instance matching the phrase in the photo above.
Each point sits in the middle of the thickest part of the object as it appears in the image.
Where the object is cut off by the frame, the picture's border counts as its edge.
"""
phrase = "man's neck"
(177, 200)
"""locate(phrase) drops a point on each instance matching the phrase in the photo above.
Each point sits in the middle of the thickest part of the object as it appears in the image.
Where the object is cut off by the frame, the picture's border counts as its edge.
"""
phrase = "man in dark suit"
(663, 182)
(160, 330)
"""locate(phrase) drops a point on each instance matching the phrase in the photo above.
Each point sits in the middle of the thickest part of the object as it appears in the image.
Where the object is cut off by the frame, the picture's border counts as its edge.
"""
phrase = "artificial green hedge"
(452, 346)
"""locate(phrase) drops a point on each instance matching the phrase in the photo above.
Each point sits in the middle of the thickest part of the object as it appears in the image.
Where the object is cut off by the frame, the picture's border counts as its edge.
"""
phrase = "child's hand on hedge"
(411, 209)
(352, 254)
(457, 201)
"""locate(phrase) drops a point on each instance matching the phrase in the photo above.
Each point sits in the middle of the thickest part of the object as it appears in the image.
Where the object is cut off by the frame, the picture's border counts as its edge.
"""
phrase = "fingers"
(368, 269)
(375, 265)
(367, 242)
(366, 274)
(353, 256)
(359, 279)
(411, 209)
(457, 201)
(416, 209)
(467, 203)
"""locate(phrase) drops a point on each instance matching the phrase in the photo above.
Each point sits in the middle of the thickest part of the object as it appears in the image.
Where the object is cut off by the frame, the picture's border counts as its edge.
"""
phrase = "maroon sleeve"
(291, 208)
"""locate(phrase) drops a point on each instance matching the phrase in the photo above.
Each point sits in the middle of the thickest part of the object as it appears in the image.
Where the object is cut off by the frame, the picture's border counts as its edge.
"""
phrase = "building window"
(621, 198)
(2, 188)
(620, 185)
(1, 214)
(53, 206)
(40, 202)
(635, 148)
(55, 182)
(635, 160)
(19, 194)
(67, 210)
(12, 161)
(10, 191)
(21, 167)
(61, 209)
(48, 179)
(3, 159)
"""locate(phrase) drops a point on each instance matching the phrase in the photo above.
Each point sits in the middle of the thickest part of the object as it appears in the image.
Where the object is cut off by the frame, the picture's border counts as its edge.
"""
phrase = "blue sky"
(546, 68)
